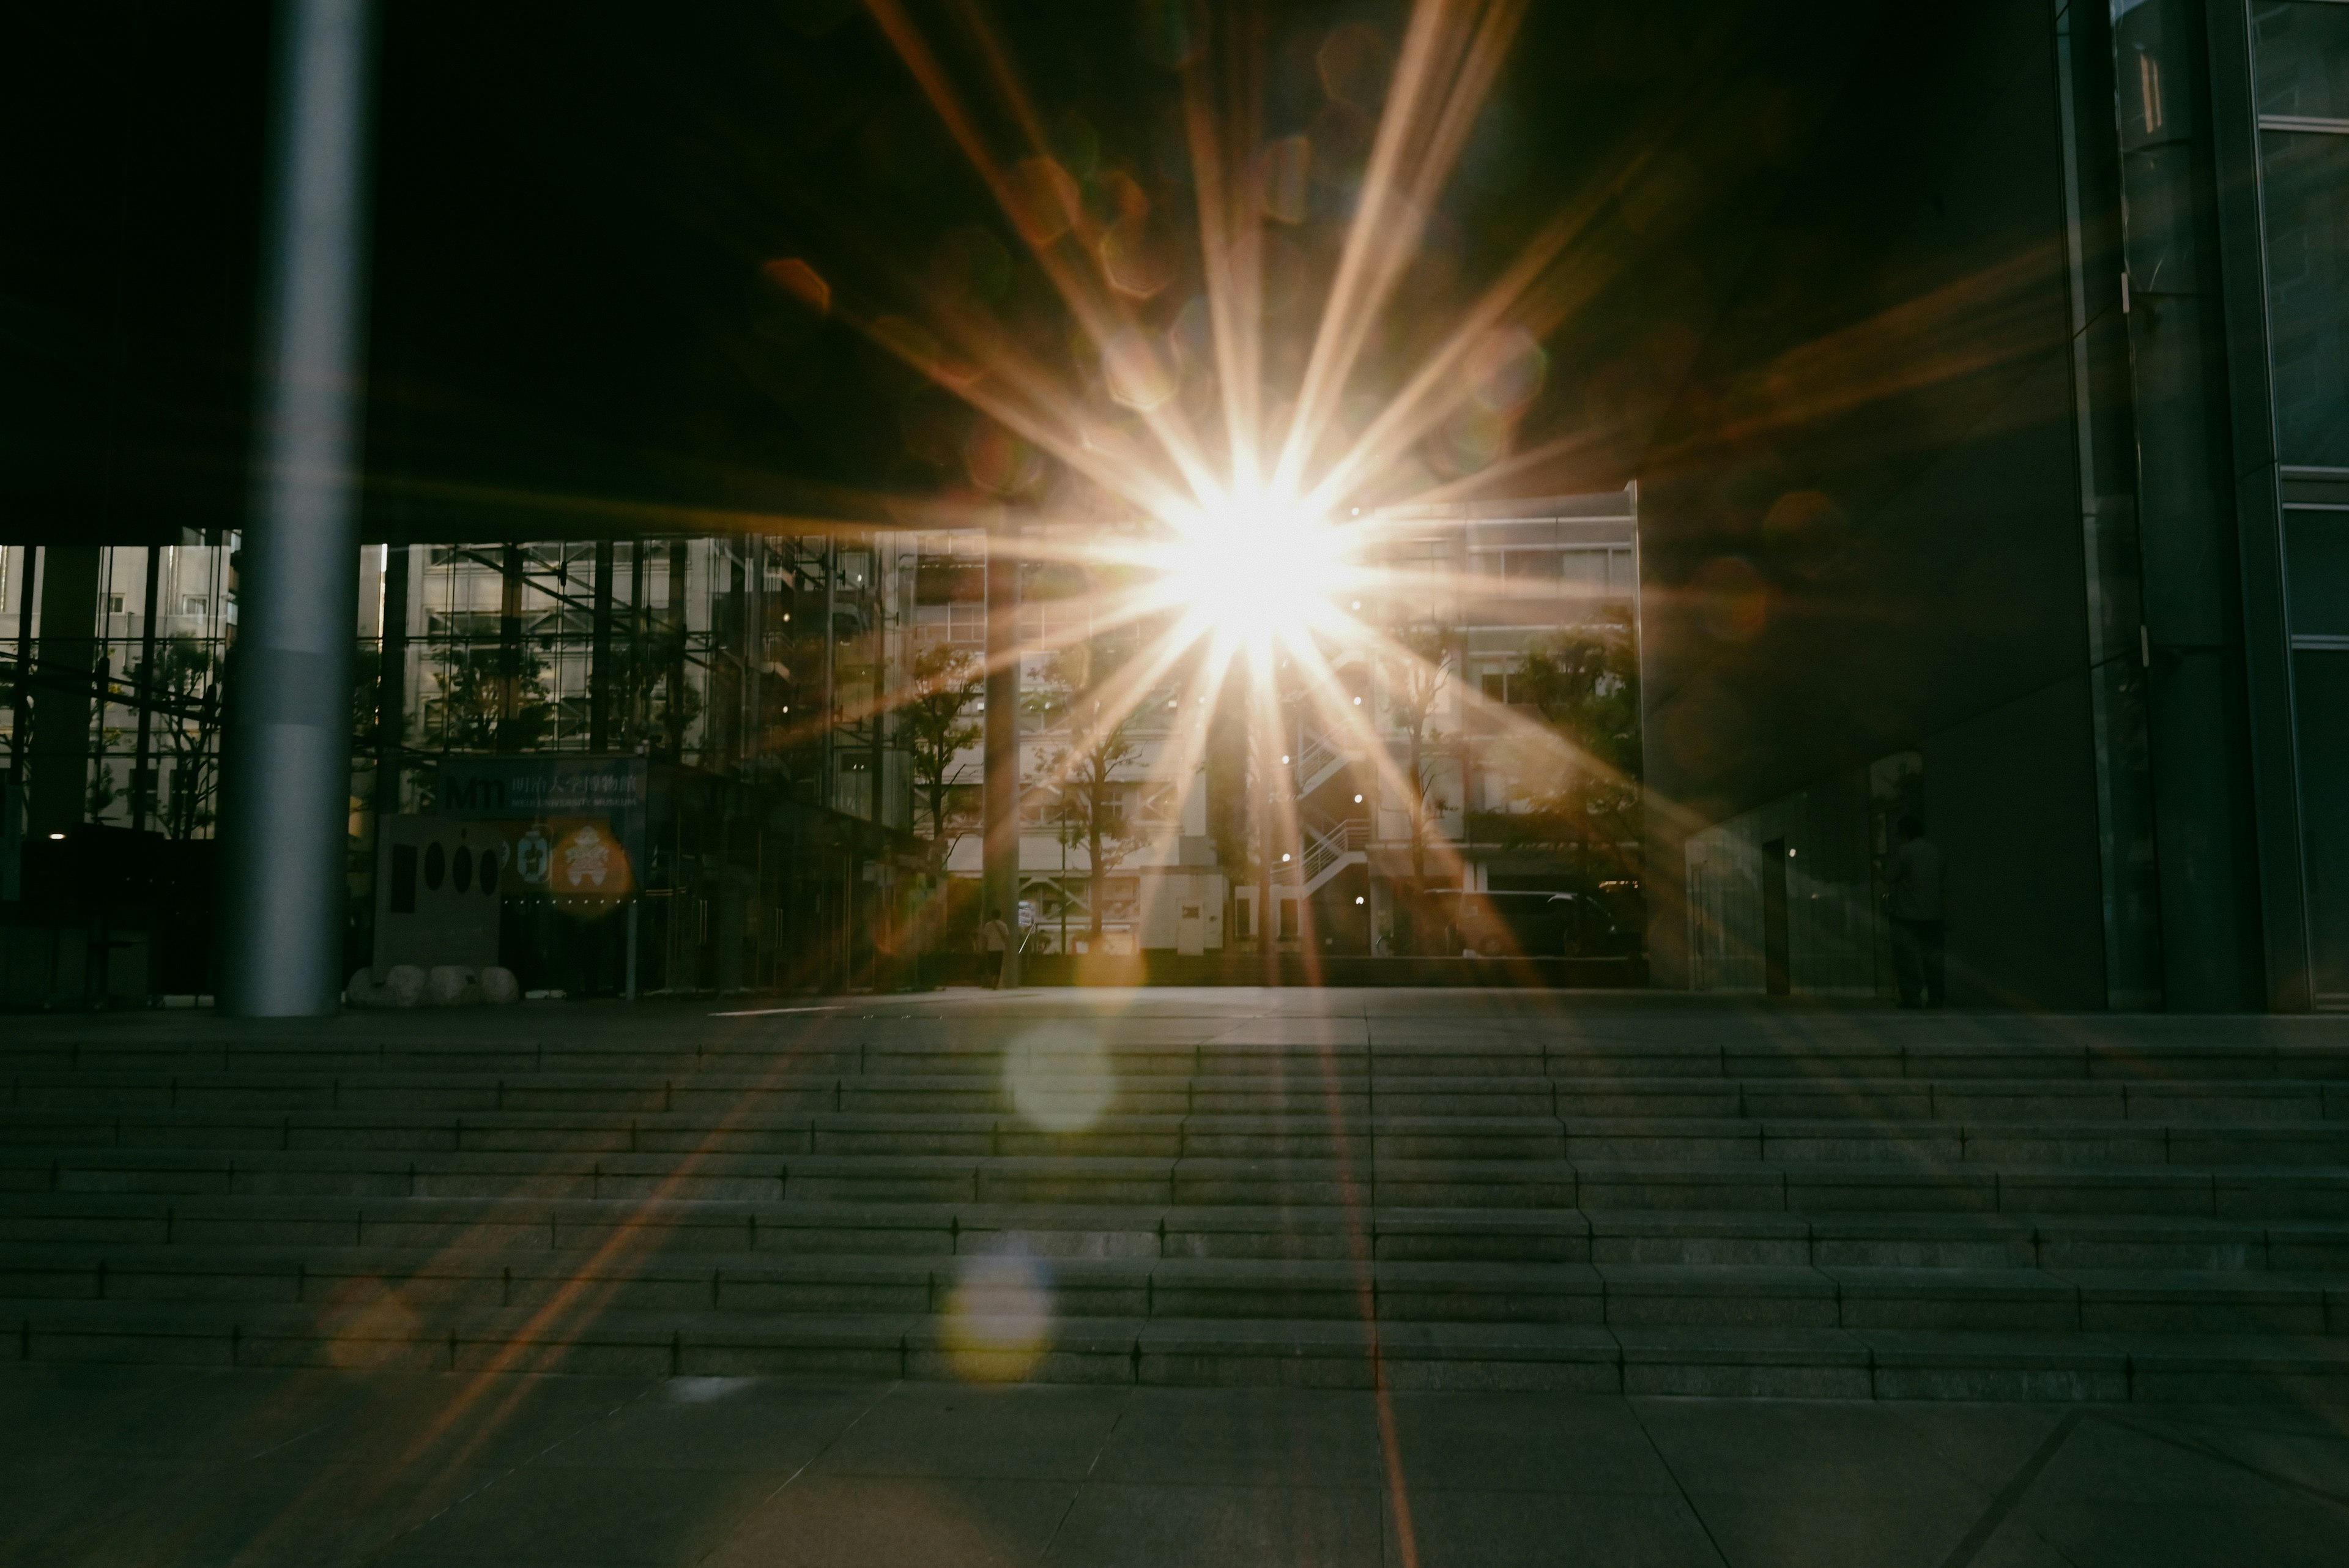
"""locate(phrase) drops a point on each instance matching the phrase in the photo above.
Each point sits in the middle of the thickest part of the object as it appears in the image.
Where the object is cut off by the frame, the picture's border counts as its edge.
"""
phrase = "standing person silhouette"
(995, 941)
(1914, 900)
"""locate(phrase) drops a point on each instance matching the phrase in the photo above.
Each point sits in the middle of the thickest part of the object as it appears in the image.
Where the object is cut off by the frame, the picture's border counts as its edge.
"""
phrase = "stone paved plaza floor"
(105, 1462)
(172, 1466)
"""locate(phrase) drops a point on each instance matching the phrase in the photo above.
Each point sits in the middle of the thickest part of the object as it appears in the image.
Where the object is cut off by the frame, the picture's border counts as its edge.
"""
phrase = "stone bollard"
(451, 985)
(402, 986)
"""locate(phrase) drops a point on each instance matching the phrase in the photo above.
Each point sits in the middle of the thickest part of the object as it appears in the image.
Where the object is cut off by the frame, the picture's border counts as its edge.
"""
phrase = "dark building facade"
(2034, 530)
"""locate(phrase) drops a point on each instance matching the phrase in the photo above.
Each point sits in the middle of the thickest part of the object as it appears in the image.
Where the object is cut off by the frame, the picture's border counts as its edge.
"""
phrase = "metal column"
(20, 732)
(142, 772)
(2104, 433)
(1261, 727)
(59, 788)
(12, 795)
(2192, 643)
(680, 566)
(509, 650)
(632, 689)
(391, 689)
(599, 658)
(831, 786)
(288, 751)
(999, 786)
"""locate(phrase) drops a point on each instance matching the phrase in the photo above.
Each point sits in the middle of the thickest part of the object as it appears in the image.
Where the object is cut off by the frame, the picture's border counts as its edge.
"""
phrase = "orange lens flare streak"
(1101, 322)
(1231, 237)
(1385, 232)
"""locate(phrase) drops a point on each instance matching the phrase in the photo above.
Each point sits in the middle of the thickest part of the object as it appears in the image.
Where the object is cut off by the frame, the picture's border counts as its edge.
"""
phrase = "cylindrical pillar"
(999, 786)
(286, 772)
(2204, 822)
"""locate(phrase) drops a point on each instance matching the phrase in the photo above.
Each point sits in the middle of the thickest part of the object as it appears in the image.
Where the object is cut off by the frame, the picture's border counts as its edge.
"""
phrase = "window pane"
(2322, 679)
(2302, 57)
(2307, 191)
(2316, 573)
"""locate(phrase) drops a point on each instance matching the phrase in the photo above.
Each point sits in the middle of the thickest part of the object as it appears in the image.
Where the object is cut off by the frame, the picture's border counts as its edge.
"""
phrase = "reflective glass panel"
(2307, 198)
(2321, 679)
(2302, 47)
(2316, 572)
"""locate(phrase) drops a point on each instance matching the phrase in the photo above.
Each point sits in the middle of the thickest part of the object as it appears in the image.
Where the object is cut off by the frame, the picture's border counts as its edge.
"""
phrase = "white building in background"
(1495, 577)
(1163, 888)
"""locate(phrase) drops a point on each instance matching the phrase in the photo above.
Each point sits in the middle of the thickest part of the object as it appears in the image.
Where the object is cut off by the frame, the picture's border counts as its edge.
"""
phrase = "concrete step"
(797, 1087)
(1623, 1140)
(1328, 1233)
(1257, 1231)
(1620, 1296)
(1635, 1296)
(445, 1051)
(1712, 1361)
(1814, 1186)
(1822, 1211)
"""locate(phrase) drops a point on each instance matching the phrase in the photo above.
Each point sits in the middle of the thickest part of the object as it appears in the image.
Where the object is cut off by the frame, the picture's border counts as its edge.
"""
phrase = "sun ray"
(1231, 236)
(1102, 321)
(1407, 163)
(1035, 420)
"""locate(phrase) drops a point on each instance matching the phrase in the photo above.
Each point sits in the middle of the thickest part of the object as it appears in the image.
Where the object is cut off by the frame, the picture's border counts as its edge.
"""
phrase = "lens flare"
(998, 1320)
(1060, 1077)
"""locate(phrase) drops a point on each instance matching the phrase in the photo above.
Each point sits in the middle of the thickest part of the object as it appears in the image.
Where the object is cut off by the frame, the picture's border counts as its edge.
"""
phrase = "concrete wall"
(1861, 523)
(2011, 798)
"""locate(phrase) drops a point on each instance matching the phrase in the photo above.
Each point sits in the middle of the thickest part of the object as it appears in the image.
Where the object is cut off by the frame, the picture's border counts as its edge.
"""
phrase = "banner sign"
(579, 822)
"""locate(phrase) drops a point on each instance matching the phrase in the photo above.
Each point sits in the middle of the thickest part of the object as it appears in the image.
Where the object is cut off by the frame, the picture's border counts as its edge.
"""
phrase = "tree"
(946, 683)
(367, 692)
(1416, 671)
(102, 794)
(188, 675)
(666, 653)
(1082, 696)
(1584, 683)
(22, 713)
(492, 698)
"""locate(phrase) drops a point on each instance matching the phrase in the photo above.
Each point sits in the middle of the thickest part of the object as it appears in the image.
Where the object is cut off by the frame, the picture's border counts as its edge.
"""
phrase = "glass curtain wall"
(1789, 897)
(164, 618)
(711, 653)
(756, 673)
(2299, 61)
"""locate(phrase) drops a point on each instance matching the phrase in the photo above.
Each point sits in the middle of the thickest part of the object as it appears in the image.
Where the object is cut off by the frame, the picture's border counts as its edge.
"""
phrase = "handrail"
(1324, 848)
(1317, 753)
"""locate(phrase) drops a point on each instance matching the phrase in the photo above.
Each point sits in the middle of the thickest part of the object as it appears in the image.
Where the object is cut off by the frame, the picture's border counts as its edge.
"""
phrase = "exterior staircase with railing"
(1329, 848)
(1318, 761)
(1327, 844)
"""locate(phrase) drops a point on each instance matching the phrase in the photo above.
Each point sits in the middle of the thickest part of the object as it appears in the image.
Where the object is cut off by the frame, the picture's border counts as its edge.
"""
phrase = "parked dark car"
(1531, 925)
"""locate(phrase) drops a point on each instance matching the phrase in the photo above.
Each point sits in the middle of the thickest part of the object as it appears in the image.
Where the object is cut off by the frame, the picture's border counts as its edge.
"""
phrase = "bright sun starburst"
(1256, 570)
(1226, 473)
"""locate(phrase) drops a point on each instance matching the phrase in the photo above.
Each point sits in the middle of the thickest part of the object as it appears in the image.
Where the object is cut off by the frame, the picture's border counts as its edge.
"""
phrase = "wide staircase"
(980, 1190)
